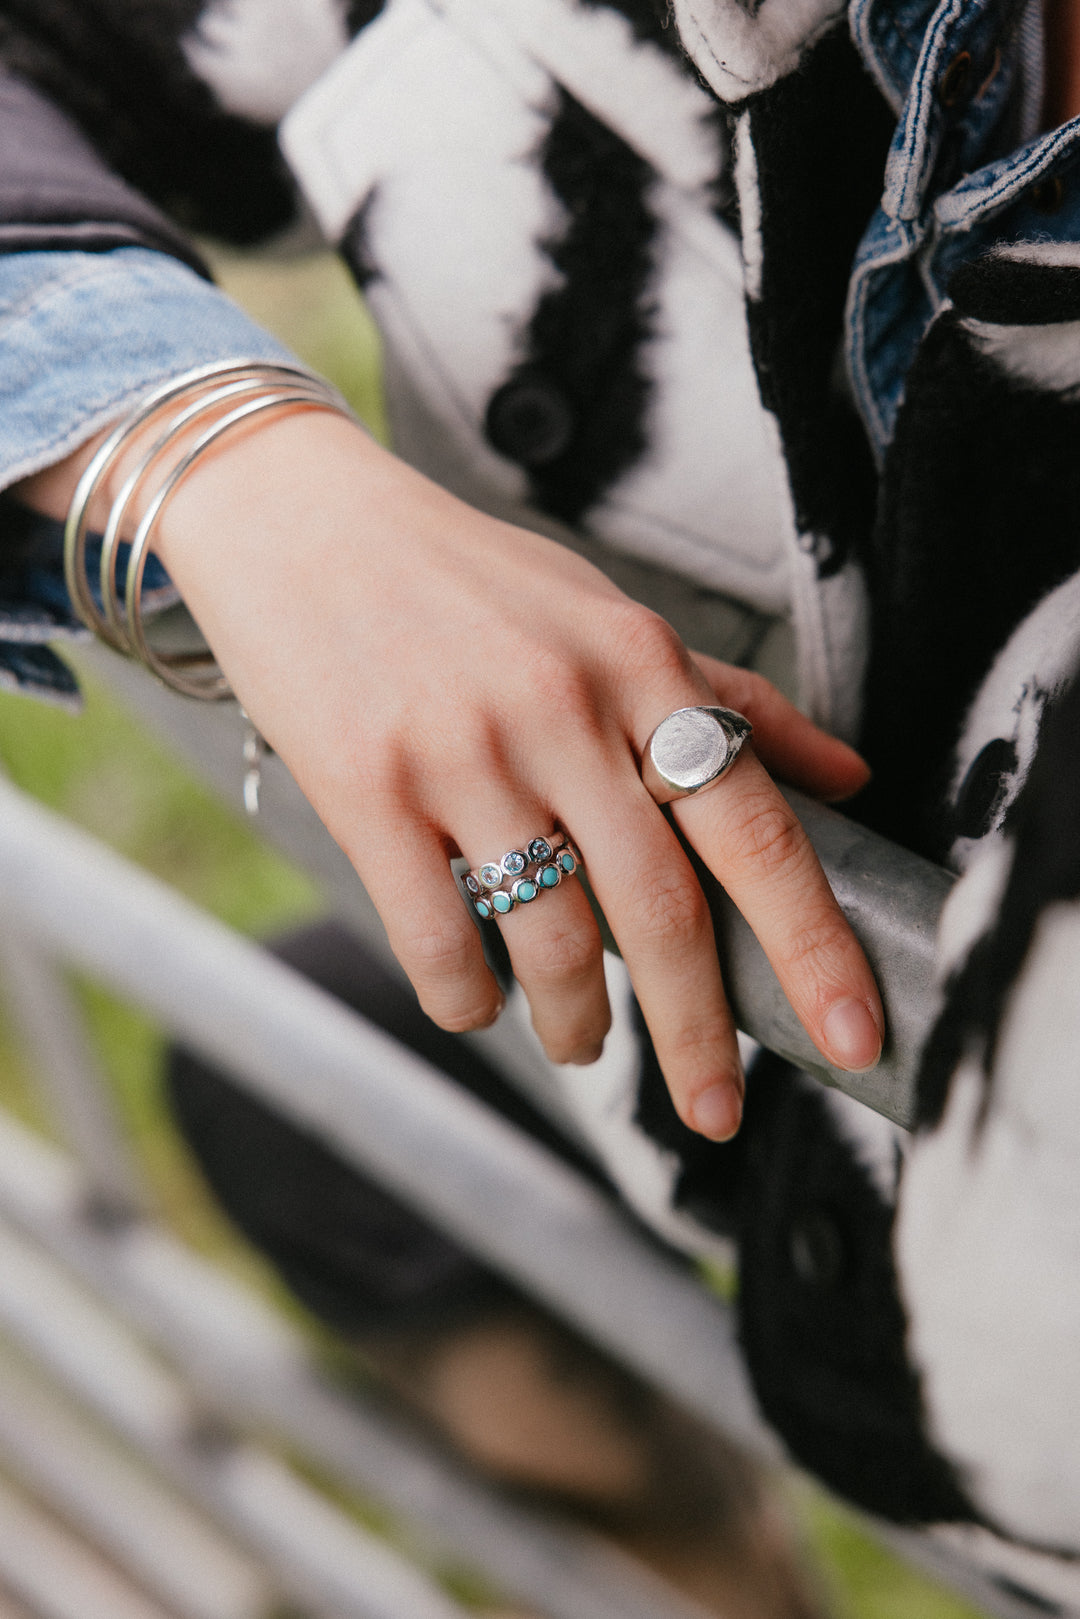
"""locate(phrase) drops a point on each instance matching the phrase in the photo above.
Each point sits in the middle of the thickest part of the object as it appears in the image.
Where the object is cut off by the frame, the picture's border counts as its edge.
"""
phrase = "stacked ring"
(521, 875)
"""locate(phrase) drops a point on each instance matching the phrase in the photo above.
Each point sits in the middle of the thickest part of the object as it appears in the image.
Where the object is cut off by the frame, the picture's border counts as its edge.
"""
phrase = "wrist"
(280, 484)
(163, 440)
(51, 490)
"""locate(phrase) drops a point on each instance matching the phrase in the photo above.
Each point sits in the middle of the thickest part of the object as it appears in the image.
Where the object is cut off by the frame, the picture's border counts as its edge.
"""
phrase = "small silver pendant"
(256, 748)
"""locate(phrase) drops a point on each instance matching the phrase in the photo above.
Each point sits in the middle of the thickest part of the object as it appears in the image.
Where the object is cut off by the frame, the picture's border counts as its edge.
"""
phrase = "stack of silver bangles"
(229, 392)
(522, 875)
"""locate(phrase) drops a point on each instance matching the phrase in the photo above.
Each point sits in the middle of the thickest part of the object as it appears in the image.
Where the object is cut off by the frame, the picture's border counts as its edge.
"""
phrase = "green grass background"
(106, 774)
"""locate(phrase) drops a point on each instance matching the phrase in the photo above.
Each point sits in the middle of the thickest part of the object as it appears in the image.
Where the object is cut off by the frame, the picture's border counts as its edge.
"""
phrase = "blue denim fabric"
(82, 337)
(965, 173)
(84, 334)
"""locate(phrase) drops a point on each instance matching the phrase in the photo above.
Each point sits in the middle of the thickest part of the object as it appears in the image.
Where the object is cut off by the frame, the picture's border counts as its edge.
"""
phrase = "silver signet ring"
(691, 749)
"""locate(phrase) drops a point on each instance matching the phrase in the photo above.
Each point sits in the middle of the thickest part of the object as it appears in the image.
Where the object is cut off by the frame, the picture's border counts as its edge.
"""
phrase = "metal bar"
(893, 900)
(51, 1029)
(249, 1365)
(327, 1562)
(380, 1106)
(390, 1113)
(116, 1503)
(56, 1575)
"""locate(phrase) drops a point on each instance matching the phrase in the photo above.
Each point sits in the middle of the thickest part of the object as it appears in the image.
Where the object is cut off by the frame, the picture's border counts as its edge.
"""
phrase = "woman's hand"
(439, 682)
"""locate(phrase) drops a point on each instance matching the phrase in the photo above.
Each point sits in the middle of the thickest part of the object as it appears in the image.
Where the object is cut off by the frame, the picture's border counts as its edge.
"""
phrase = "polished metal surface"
(692, 749)
(893, 900)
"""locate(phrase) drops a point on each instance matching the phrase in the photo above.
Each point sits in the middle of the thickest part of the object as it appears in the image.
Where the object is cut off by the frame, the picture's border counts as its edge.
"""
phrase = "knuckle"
(649, 650)
(364, 785)
(562, 955)
(558, 683)
(816, 941)
(375, 763)
(769, 838)
(701, 1051)
(673, 912)
(476, 747)
(391, 765)
(440, 952)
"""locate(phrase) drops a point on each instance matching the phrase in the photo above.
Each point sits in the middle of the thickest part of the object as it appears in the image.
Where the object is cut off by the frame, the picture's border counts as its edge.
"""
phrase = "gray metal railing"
(64, 897)
(378, 1103)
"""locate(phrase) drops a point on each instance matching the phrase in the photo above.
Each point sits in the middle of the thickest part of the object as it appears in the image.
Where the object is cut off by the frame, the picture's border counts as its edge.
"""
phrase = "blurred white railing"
(133, 1338)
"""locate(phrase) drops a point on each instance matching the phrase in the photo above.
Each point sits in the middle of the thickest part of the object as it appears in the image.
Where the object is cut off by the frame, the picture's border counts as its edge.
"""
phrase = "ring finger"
(552, 939)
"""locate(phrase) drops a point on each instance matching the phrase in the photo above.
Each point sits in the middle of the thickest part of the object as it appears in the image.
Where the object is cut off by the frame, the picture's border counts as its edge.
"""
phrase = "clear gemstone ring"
(521, 875)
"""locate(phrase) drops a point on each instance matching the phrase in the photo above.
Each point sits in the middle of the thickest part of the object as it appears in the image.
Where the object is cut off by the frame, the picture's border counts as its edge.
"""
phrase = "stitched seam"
(916, 124)
(40, 298)
(860, 375)
(1016, 179)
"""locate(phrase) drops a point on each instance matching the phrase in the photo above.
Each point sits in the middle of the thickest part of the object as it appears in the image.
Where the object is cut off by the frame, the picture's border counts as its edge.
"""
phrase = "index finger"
(660, 919)
(752, 841)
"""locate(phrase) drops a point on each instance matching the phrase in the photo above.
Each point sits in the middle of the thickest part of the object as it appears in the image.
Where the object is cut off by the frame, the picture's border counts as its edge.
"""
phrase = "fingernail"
(717, 1112)
(852, 1037)
(588, 1055)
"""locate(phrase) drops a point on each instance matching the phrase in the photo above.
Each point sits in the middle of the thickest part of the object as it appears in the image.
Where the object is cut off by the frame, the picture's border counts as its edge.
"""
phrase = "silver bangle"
(203, 404)
(274, 386)
(149, 406)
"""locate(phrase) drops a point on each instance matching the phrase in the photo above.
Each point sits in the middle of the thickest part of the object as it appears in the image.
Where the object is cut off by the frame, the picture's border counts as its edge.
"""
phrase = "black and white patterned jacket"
(573, 268)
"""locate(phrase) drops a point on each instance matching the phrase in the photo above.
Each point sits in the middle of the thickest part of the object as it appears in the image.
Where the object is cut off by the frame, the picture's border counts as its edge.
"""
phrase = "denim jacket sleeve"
(82, 337)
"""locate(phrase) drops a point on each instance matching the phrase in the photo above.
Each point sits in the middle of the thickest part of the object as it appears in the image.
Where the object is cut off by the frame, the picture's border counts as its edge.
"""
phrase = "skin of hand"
(442, 683)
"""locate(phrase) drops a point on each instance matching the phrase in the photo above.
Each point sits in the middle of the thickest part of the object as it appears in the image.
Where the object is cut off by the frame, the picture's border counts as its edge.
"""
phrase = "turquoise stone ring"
(520, 876)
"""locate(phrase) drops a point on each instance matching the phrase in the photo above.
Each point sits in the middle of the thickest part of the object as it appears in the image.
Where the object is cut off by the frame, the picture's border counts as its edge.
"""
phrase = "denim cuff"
(82, 337)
